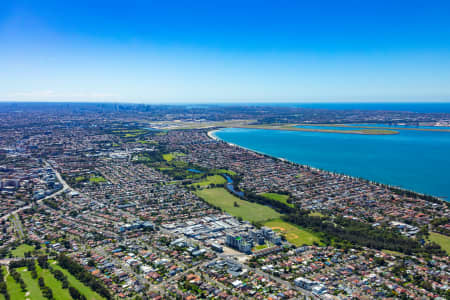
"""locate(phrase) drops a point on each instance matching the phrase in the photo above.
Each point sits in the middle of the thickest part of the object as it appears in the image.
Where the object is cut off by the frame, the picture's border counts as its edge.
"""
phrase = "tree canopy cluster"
(362, 234)
(83, 275)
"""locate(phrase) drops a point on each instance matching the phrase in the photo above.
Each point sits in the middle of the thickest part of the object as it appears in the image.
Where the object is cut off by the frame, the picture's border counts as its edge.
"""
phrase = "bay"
(415, 160)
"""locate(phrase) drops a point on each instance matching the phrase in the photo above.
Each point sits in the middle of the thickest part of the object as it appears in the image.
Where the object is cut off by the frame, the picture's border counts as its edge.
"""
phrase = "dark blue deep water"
(415, 160)
(393, 106)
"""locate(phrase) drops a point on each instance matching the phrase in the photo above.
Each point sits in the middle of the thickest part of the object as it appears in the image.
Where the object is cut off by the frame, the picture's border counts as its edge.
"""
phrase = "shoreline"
(215, 138)
(360, 131)
(211, 135)
(375, 127)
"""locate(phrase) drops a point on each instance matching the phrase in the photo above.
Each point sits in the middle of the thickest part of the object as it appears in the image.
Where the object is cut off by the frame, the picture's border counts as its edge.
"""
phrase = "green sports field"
(168, 157)
(214, 179)
(278, 197)
(171, 156)
(247, 210)
(20, 250)
(442, 240)
(223, 171)
(294, 234)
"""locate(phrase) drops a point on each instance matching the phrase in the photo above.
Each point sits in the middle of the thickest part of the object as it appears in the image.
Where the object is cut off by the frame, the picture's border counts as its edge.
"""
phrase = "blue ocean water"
(415, 160)
(420, 107)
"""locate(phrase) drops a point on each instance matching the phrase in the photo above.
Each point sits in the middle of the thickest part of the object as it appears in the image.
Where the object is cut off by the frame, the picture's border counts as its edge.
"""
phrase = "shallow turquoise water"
(326, 127)
(372, 126)
(416, 160)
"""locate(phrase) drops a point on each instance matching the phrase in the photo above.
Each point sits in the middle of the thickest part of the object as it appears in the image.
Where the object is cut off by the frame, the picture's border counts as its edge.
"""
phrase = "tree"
(83, 275)
(75, 294)
(41, 282)
(42, 261)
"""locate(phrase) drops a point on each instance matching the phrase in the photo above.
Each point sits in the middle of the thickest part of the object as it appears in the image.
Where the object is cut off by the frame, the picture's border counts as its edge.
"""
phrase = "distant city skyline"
(227, 52)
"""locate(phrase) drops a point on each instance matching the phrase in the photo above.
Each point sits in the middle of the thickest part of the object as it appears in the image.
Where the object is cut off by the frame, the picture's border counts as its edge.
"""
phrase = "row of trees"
(408, 193)
(3, 288)
(75, 294)
(21, 263)
(32, 269)
(83, 275)
(59, 275)
(46, 291)
(16, 276)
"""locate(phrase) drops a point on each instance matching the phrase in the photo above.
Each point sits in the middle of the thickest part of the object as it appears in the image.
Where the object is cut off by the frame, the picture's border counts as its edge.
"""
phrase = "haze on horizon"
(225, 51)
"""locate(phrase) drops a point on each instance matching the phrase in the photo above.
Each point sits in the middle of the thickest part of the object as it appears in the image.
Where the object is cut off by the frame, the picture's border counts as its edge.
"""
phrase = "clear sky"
(225, 51)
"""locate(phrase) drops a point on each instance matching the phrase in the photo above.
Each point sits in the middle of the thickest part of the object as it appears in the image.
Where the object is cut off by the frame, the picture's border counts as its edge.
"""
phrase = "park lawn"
(171, 156)
(165, 168)
(441, 240)
(133, 133)
(32, 284)
(316, 214)
(278, 197)
(261, 247)
(214, 179)
(80, 178)
(129, 135)
(85, 290)
(14, 290)
(223, 171)
(393, 252)
(130, 130)
(147, 142)
(97, 179)
(168, 156)
(248, 211)
(20, 250)
(54, 284)
(294, 234)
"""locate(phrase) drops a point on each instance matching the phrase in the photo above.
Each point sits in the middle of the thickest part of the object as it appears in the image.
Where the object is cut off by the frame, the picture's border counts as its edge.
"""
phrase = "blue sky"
(225, 51)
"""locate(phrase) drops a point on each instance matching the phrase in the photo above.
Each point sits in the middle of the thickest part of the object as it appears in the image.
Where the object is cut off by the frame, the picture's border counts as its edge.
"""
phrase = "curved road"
(60, 179)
